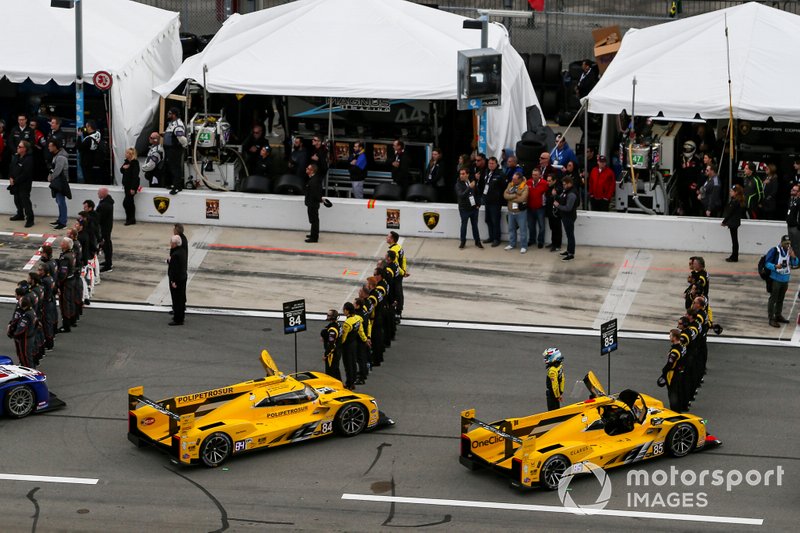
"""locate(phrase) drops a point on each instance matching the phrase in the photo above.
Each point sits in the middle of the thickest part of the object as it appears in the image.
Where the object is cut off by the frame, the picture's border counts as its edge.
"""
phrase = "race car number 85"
(658, 448)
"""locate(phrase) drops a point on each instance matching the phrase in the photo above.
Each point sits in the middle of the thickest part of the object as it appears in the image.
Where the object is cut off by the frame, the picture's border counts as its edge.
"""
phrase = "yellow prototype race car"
(604, 431)
(209, 427)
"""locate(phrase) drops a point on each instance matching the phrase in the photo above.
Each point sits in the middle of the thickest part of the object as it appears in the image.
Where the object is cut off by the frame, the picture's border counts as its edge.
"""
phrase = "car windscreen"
(304, 395)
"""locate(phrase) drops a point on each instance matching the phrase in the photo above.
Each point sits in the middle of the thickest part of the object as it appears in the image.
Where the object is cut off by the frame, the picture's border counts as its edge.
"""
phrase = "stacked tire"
(289, 184)
(545, 73)
(257, 185)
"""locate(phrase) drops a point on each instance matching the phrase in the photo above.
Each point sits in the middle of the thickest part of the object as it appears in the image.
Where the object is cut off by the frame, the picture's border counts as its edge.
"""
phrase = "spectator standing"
(91, 154)
(493, 201)
(512, 166)
(517, 196)
(537, 189)
(21, 182)
(319, 155)
(601, 185)
(401, 166)
(3, 161)
(554, 189)
(753, 190)
(130, 184)
(478, 172)
(251, 148)
(313, 197)
(298, 158)
(56, 133)
(779, 261)
(588, 78)
(177, 274)
(567, 205)
(562, 153)
(467, 206)
(178, 230)
(733, 219)
(710, 193)
(434, 176)
(175, 143)
(264, 164)
(154, 162)
(59, 181)
(769, 204)
(793, 216)
(21, 132)
(105, 217)
(545, 168)
(40, 153)
(358, 169)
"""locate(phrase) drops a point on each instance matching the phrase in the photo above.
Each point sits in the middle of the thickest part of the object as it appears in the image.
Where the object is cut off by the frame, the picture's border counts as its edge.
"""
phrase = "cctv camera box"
(606, 45)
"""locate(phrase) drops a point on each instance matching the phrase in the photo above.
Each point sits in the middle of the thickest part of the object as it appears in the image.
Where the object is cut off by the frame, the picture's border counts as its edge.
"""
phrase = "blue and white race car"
(23, 391)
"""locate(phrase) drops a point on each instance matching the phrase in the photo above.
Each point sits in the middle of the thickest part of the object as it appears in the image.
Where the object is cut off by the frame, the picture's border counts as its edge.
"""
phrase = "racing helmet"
(689, 149)
(552, 356)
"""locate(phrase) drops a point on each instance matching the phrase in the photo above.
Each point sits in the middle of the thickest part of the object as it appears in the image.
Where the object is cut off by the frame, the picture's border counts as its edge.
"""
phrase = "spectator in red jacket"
(537, 187)
(601, 185)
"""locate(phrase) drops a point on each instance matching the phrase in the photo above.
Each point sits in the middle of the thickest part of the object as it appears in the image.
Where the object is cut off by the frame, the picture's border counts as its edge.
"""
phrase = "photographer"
(779, 262)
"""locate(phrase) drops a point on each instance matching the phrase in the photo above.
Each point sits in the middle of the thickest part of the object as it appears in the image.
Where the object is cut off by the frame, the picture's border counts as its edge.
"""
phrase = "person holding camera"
(779, 261)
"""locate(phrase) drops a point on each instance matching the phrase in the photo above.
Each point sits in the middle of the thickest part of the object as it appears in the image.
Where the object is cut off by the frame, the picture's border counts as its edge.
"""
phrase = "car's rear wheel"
(552, 470)
(681, 440)
(216, 449)
(20, 401)
(351, 420)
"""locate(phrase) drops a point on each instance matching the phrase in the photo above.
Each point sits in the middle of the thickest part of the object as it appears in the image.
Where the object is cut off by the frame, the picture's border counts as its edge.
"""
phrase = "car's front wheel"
(681, 439)
(216, 449)
(552, 471)
(351, 420)
(20, 401)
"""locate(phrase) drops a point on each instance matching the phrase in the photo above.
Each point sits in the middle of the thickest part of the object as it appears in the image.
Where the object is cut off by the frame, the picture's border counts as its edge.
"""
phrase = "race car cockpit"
(618, 419)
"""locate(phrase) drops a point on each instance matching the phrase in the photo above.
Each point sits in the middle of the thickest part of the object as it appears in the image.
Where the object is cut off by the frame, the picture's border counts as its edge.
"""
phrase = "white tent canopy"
(356, 48)
(138, 44)
(681, 67)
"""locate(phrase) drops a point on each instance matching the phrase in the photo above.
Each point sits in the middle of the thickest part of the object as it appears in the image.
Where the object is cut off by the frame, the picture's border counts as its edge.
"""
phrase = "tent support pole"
(79, 103)
(584, 190)
(330, 138)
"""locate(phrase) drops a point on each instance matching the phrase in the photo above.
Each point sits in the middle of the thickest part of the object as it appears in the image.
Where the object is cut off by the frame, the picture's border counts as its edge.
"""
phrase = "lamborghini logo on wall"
(161, 203)
(431, 219)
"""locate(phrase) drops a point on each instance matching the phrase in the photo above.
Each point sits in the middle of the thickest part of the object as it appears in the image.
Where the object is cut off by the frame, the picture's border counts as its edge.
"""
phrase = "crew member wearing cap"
(601, 185)
(779, 261)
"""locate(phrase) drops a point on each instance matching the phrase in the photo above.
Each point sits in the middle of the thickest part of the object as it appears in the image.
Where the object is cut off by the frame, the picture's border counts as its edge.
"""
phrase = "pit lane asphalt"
(431, 374)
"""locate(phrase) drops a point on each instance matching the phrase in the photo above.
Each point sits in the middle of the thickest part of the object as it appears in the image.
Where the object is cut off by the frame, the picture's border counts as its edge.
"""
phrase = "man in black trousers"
(105, 217)
(177, 275)
(313, 192)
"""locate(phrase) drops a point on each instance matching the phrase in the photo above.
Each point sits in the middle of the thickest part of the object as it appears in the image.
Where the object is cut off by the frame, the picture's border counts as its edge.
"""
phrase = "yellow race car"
(208, 427)
(604, 431)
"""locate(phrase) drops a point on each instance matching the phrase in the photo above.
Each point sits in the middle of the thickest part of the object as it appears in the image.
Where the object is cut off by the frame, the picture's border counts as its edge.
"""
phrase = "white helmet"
(552, 356)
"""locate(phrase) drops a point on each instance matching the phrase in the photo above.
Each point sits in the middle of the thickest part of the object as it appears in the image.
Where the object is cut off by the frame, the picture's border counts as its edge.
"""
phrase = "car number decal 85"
(658, 448)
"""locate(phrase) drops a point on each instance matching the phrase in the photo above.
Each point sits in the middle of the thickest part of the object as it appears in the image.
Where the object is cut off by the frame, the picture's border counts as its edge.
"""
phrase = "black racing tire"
(681, 440)
(530, 151)
(550, 103)
(420, 192)
(575, 70)
(351, 419)
(188, 44)
(20, 401)
(257, 185)
(216, 449)
(536, 69)
(552, 470)
(290, 184)
(552, 69)
(388, 191)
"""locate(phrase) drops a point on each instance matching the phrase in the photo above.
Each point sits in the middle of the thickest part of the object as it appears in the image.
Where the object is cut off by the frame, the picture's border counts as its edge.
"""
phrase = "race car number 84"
(326, 427)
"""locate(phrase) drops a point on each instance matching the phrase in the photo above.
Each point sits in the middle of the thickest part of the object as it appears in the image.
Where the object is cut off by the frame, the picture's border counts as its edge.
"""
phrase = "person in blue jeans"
(467, 207)
(517, 196)
(779, 261)
(59, 181)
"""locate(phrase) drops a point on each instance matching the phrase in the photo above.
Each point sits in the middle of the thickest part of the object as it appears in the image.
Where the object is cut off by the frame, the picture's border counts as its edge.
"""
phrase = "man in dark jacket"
(493, 200)
(177, 275)
(401, 166)
(319, 155)
(105, 216)
(251, 148)
(313, 190)
(467, 207)
(567, 205)
(20, 182)
(59, 181)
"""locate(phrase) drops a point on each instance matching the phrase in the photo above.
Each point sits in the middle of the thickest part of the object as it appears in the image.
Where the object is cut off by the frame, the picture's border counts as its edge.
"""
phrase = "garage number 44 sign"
(294, 316)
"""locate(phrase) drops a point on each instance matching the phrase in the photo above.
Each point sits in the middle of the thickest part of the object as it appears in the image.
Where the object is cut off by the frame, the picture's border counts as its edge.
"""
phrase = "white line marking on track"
(624, 288)
(423, 323)
(556, 509)
(50, 479)
(35, 259)
(197, 254)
